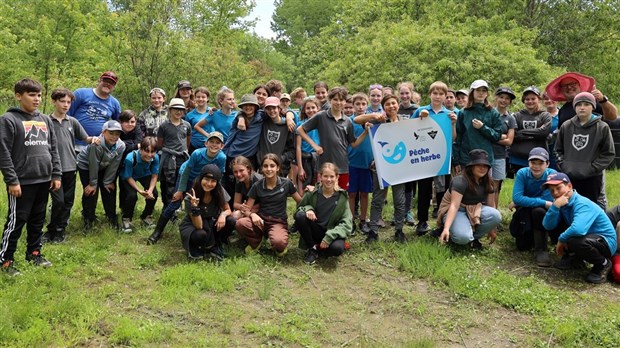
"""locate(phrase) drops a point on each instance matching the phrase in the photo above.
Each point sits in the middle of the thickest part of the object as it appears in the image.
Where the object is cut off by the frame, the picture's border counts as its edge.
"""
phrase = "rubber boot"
(159, 230)
(540, 247)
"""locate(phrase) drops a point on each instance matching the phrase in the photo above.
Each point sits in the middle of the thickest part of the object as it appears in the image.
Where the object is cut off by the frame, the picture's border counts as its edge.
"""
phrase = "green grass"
(112, 289)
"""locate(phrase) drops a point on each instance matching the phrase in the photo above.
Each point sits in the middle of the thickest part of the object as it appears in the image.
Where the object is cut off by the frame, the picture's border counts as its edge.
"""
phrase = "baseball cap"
(506, 90)
(216, 134)
(555, 179)
(538, 153)
(112, 126)
(184, 84)
(109, 75)
(478, 84)
(272, 101)
(211, 171)
(285, 96)
(462, 91)
(530, 89)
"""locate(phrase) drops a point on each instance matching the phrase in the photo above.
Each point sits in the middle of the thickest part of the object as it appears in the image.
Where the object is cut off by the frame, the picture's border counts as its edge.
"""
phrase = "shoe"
(47, 237)
(364, 227)
(281, 253)
(59, 237)
(543, 259)
(37, 259)
(88, 226)
(217, 253)
(113, 221)
(311, 256)
(400, 237)
(148, 222)
(352, 230)
(9, 269)
(475, 244)
(372, 237)
(381, 223)
(598, 274)
(293, 229)
(435, 213)
(392, 223)
(436, 232)
(250, 250)
(422, 228)
(569, 262)
(126, 227)
(159, 230)
(194, 257)
(410, 219)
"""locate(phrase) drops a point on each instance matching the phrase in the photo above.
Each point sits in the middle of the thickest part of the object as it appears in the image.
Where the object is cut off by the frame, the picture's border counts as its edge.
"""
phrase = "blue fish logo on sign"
(393, 155)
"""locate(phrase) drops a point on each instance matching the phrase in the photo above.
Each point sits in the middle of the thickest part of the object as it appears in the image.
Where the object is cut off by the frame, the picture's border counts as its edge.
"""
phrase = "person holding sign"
(466, 211)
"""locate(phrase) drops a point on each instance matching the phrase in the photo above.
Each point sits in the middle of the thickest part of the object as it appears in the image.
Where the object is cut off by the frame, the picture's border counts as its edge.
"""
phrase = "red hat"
(554, 91)
(109, 75)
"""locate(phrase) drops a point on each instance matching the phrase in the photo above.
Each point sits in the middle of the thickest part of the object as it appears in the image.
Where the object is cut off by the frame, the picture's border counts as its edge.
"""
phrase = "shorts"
(343, 181)
(498, 170)
(360, 180)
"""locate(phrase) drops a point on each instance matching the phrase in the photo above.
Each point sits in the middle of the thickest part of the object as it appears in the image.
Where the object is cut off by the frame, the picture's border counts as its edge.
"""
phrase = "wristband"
(195, 211)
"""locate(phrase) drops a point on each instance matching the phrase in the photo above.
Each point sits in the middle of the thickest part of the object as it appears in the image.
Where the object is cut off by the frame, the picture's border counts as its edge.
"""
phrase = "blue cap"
(555, 179)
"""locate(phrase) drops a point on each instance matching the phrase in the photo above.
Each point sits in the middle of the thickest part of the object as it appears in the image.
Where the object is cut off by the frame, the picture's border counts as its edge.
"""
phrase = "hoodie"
(532, 131)
(28, 148)
(584, 151)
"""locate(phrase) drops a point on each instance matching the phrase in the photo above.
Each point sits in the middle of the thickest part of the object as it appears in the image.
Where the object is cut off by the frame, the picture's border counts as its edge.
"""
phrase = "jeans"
(462, 232)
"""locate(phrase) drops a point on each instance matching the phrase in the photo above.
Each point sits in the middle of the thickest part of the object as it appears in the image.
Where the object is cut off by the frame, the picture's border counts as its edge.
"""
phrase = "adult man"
(93, 107)
(567, 86)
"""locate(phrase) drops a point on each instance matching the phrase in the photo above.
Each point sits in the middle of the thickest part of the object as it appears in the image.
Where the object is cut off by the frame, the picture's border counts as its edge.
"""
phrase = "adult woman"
(466, 211)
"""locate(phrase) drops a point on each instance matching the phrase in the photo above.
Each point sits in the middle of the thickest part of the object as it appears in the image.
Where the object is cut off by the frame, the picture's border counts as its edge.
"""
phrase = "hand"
(424, 113)
(477, 123)
(561, 201)
(548, 204)
(241, 124)
(179, 195)
(323, 245)
(368, 125)
(492, 236)
(319, 150)
(193, 200)
(89, 190)
(311, 215)
(444, 237)
(598, 95)
(457, 169)
(380, 117)
(15, 190)
(309, 188)
(256, 220)
(109, 187)
(301, 173)
(561, 248)
(96, 141)
(55, 185)
(452, 117)
(290, 123)
(150, 194)
(511, 206)
(220, 223)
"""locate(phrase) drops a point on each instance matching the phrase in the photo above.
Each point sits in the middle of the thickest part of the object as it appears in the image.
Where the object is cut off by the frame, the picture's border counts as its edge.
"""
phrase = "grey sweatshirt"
(96, 158)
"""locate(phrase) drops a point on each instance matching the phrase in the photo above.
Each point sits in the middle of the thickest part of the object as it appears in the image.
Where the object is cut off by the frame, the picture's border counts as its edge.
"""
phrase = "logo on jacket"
(36, 133)
(273, 136)
(529, 124)
(580, 141)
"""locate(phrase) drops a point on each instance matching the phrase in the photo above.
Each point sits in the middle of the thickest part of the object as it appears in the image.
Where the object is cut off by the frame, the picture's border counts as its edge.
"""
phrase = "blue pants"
(462, 232)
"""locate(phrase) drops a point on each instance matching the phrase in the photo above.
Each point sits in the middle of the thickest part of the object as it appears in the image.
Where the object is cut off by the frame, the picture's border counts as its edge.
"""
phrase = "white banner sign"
(412, 149)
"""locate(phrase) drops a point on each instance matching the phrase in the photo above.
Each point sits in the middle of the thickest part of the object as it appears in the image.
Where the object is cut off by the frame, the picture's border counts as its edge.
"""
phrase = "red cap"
(109, 75)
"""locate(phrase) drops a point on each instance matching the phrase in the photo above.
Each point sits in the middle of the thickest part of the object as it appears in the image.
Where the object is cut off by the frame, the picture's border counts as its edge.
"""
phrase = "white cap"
(478, 84)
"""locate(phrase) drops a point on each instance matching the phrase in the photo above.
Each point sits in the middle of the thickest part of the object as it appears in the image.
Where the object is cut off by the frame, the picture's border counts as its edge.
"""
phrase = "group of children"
(210, 158)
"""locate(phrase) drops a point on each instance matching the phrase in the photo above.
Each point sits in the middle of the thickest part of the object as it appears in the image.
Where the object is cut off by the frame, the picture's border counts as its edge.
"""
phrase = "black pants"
(592, 248)
(62, 202)
(425, 194)
(526, 240)
(313, 233)
(89, 203)
(129, 197)
(590, 188)
(29, 210)
(197, 242)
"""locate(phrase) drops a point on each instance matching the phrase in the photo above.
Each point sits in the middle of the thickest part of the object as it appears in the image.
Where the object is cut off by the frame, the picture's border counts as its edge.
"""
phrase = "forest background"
(352, 43)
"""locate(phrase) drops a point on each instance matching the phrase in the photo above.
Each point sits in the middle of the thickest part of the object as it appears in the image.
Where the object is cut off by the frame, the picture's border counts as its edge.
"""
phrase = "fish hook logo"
(393, 155)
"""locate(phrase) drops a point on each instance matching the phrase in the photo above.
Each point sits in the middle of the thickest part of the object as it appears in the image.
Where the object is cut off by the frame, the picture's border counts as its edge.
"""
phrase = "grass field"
(110, 289)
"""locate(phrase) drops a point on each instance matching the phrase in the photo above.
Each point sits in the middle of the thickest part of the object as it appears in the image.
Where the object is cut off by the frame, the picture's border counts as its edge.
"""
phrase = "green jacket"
(340, 221)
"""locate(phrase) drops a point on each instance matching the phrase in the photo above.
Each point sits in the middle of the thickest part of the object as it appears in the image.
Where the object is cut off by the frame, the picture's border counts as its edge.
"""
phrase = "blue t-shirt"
(193, 117)
(369, 109)
(361, 156)
(191, 168)
(313, 134)
(429, 107)
(92, 112)
(221, 122)
(136, 168)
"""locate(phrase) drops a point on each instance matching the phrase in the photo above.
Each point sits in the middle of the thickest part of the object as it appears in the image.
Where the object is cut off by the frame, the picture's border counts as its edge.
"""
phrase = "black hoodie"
(28, 152)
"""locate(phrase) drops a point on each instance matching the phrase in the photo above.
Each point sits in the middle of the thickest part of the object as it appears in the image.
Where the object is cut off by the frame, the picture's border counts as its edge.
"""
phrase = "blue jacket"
(527, 190)
(583, 217)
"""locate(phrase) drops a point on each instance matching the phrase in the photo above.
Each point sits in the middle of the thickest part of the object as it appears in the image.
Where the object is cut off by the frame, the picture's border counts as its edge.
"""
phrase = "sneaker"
(410, 219)
(352, 229)
(475, 244)
(381, 223)
(372, 237)
(88, 226)
(217, 253)
(436, 232)
(37, 259)
(364, 227)
(59, 237)
(250, 250)
(422, 228)
(9, 269)
(569, 262)
(598, 274)
(126, 228)
(293, 229)
(400, 237)
(543, 259)
(435, 212)
(194, 257)
(311, 256)
(47, 237)
(148, 221)
(281, 253)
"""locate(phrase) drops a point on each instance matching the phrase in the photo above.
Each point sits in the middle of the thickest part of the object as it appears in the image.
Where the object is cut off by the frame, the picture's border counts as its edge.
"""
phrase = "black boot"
(159, 230)
(540, 247)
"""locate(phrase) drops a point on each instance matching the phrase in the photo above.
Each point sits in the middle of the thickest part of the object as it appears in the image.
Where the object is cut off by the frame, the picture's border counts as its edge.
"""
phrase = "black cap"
(211, 171)
(478, 156)
(506, 90)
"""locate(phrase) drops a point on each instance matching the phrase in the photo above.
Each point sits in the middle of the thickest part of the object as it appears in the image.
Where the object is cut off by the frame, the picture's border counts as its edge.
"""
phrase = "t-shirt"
(92, 112)
(324, 208)
(67, 131)
(313, 134)
(136, 168)
(221, 122)
(240, 187)
(193, 117)
(272, 202)
(508, 122)
(335, 136)
(206, 210)
(459, 184)
(409, 110)
(361, 156)
(175, 137)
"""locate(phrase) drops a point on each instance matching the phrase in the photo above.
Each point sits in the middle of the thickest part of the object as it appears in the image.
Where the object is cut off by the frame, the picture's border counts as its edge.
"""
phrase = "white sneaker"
(126, 228)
